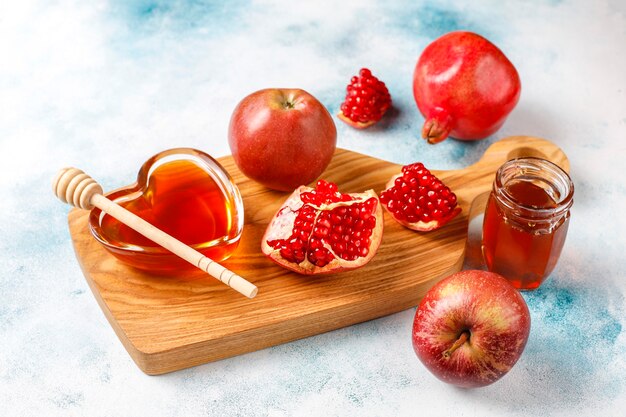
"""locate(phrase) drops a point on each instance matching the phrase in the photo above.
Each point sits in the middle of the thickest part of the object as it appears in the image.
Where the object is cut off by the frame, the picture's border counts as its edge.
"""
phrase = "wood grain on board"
(170, 323)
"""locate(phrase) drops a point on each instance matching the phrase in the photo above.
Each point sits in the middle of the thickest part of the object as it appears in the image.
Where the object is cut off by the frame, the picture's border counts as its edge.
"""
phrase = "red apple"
(471, 328)
(282, 138)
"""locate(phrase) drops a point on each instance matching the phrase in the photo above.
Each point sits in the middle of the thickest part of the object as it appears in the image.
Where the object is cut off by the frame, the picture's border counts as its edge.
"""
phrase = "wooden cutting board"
(170, 323)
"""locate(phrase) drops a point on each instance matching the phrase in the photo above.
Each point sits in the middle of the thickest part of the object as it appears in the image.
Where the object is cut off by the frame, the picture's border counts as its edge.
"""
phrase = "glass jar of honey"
(526, 220)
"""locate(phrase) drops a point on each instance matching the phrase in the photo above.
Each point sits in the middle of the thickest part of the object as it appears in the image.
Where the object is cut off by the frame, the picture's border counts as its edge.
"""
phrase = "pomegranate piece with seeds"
(367, 100)
(320, 230)
(418, 200)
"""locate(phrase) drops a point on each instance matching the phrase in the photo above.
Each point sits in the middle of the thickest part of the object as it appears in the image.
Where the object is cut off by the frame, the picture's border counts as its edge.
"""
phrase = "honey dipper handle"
(175, 246)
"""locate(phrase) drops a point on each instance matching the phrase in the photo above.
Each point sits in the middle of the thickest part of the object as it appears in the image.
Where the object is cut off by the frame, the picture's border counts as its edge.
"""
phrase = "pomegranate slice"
(418, 200)
(367, 100)
(321, 230)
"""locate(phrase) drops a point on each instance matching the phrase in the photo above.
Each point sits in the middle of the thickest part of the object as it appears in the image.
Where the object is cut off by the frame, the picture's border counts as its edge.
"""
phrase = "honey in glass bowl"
(187, 194)
(526, 220)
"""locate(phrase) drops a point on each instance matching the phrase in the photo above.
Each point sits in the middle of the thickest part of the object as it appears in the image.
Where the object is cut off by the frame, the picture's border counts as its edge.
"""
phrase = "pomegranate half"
(320, 230)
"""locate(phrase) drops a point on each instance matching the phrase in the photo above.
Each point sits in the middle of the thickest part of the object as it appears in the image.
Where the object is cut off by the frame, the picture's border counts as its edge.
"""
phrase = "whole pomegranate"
(320, 230)
(465, 87)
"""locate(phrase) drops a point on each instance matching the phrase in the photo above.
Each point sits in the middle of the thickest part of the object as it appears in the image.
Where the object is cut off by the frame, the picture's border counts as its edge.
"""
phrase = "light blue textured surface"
(104, 85)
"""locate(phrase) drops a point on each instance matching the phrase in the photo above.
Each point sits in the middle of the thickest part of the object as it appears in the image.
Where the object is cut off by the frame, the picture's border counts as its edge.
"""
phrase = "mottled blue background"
(104, 85)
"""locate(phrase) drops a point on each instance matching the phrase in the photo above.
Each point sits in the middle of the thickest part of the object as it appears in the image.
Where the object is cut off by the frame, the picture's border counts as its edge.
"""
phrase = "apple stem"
(459, 342)
(289, 101)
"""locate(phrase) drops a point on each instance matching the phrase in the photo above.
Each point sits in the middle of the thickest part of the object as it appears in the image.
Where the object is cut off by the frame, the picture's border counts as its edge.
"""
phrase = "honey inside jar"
(184, 199)
(526, 221)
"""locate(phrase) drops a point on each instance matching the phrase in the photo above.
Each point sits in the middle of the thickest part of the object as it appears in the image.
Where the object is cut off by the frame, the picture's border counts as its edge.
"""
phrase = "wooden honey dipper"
(73, 186)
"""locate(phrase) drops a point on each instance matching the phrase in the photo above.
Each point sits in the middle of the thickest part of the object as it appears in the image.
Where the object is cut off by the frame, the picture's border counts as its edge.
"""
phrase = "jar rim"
(539, 168)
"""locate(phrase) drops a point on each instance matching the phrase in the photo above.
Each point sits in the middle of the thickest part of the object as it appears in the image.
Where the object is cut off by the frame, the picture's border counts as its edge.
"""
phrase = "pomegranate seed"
(325, 186)
(324, 222)
(286, 253)
(339, 248)
(315, 243)
(298, 256)
(320, 231)
(371, 222)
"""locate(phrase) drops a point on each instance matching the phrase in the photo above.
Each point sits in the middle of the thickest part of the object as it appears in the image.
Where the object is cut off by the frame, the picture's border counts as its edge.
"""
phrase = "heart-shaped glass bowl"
(187, 194)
